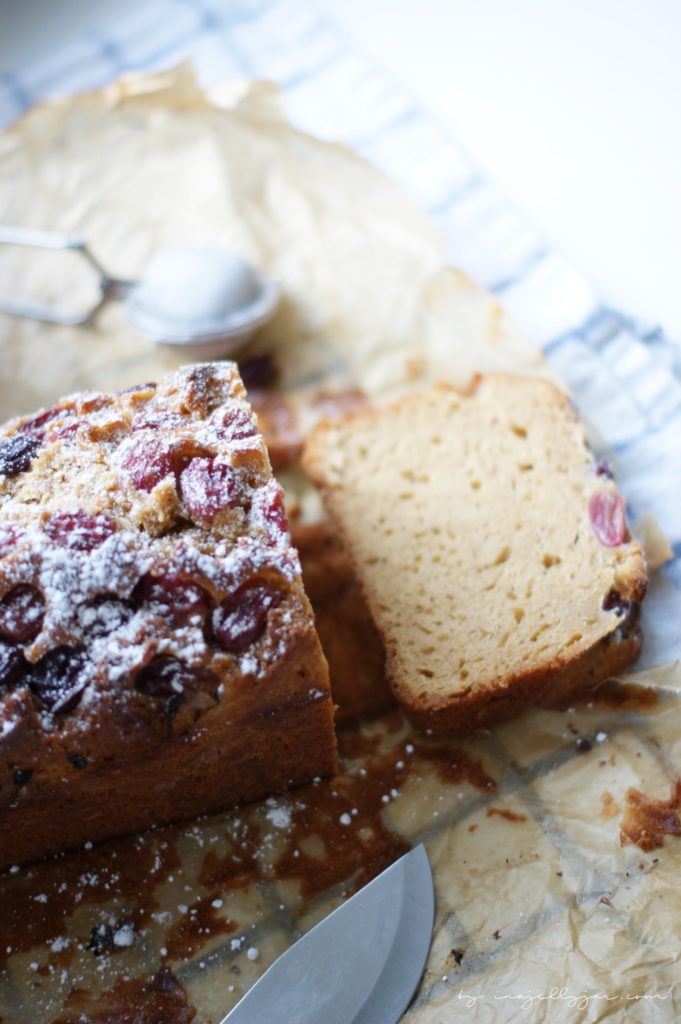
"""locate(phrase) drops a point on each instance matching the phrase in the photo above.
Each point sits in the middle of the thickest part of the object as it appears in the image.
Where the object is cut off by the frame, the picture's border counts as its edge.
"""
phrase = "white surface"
(570, 107)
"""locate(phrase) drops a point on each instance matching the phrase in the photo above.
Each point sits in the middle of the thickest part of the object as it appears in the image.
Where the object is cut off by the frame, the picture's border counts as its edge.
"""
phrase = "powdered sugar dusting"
(278, 814)
(84, 522)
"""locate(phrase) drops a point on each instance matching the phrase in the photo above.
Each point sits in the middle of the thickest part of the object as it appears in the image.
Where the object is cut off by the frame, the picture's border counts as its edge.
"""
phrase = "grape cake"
(491, 547)
(158, 656)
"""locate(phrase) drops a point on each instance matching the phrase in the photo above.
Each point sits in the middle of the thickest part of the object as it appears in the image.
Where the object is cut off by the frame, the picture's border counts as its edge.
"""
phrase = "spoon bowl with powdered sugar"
(202, 297)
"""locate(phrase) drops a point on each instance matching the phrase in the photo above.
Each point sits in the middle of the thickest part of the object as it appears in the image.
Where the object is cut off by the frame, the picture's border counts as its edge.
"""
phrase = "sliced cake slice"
(493, 551)
(158, 655)
(346, 629)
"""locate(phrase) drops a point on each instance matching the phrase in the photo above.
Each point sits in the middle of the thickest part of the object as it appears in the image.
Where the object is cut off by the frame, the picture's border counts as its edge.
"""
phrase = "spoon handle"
(13, 235)
(109, 287)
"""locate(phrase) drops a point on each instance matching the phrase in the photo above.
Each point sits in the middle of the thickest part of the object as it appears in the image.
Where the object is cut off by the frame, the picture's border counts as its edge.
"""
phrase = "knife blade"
(361, 964)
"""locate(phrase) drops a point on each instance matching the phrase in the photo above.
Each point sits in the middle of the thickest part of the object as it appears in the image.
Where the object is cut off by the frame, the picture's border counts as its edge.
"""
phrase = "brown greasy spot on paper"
(609, 806)
(647, 821)
(366, 845)
(200, 923)
(240, 865)
(628, 696)
(352, 743)
(333, 833)
(454, 765)
(344, 814)
(363, 849)
(160, 999)
(128, 870)
(502, 812)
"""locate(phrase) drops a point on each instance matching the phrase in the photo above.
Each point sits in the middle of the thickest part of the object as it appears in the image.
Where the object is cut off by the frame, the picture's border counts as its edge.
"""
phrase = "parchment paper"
(542, 914)
(150, 161)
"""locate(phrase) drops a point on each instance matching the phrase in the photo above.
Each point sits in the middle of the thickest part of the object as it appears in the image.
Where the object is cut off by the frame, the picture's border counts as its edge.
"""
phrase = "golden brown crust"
(279, 423)
(275, 735)
(325, 562)
(355, 655)
(555, 686)
(631, 579)
(349, 639)
(310, 452)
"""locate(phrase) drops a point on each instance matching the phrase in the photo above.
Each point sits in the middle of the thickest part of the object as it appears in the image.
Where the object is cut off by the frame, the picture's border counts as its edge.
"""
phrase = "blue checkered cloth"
(625, 377)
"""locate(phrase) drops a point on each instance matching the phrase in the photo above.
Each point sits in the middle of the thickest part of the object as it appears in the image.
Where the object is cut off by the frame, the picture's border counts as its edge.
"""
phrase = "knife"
(361, 964)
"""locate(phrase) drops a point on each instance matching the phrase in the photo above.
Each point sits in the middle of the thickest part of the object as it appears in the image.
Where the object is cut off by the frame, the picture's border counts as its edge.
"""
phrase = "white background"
(573, 107)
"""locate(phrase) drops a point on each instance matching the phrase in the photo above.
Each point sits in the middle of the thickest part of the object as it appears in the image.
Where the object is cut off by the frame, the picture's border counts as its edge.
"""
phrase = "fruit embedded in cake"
(151, 609)
(241, 618)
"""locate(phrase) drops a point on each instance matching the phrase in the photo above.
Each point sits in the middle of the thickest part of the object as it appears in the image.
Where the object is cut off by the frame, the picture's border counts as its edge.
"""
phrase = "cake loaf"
(492, 549)
(158, 656)
(351, 644)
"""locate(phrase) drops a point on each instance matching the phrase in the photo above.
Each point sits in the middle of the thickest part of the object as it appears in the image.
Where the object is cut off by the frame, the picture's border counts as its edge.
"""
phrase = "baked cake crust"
(349, 639)
(158, 657)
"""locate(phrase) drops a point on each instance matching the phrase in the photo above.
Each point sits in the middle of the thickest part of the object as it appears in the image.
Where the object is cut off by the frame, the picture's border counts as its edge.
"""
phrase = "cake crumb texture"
(492, 549)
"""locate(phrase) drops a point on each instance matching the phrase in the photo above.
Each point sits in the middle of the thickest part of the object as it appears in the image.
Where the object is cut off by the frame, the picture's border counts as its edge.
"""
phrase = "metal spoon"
(202, 297)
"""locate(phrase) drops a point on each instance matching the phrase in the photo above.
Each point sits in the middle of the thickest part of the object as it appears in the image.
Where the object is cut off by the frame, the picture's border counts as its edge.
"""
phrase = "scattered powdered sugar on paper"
(278, 814)
(124, 936)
